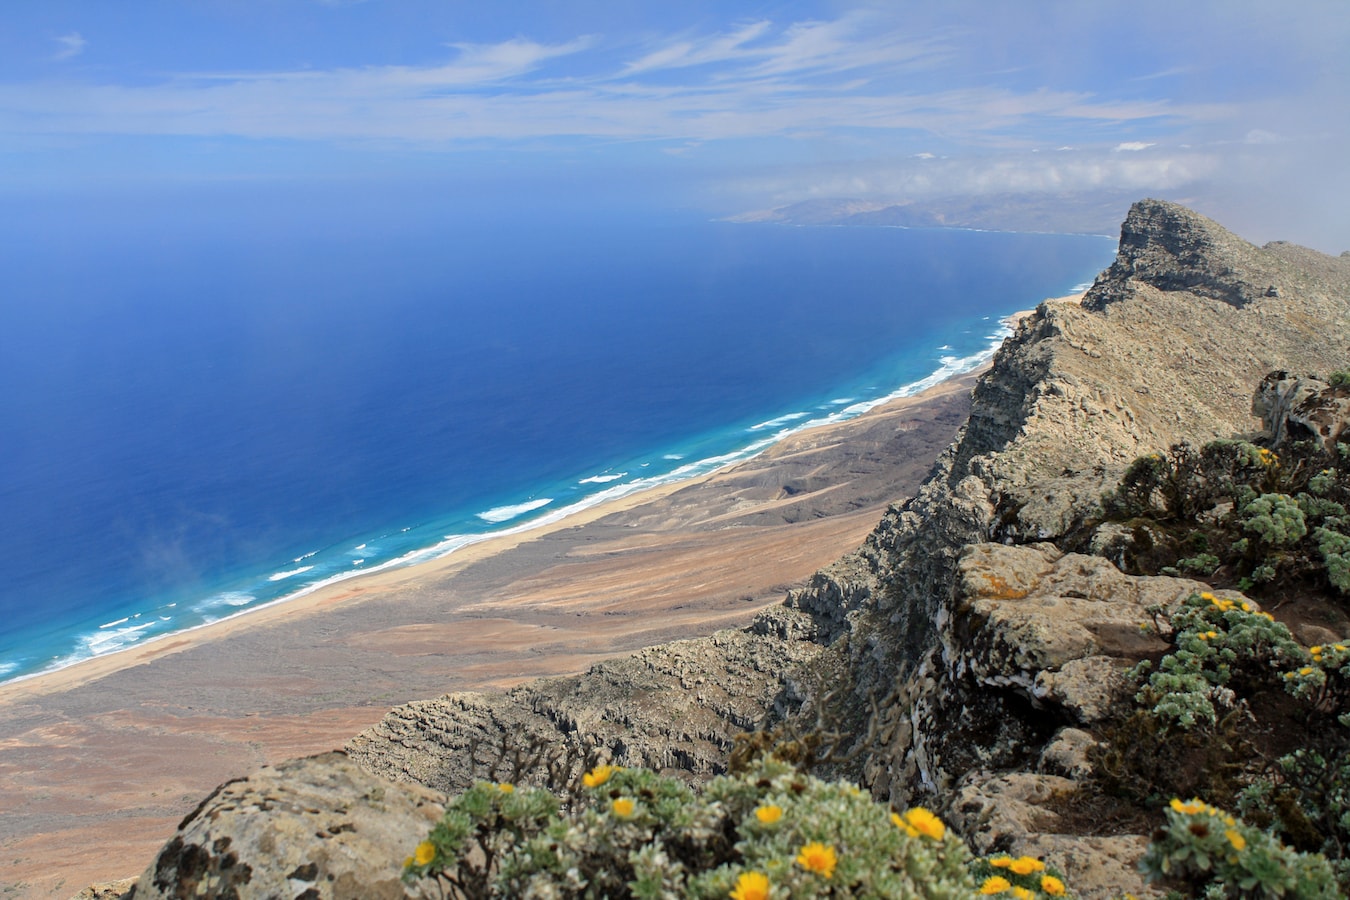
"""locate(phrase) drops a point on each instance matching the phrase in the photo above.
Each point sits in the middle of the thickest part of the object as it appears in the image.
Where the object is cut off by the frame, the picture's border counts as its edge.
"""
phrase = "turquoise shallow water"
(201, 420)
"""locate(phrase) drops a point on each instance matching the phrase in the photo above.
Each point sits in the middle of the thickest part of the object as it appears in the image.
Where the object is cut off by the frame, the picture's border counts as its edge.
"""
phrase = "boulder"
(312, 828)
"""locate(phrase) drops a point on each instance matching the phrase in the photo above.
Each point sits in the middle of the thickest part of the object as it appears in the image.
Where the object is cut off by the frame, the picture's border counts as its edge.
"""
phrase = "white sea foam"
(357, 562)
(1080, 287)
(305, 556)
(224, 598)
(7, 667)
(840, 401)
(602, 479)
(778, 422)
(290, 573)
(107, 641)
(118, 622)
(507, 513)
(112, 641)
(360, 547)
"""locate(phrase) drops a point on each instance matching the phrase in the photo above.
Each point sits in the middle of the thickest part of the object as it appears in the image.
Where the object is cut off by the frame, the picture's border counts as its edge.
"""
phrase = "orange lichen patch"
(999, 588)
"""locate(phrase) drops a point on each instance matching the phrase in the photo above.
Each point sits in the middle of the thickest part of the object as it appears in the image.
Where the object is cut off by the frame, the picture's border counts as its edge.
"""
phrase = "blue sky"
(1237, 107)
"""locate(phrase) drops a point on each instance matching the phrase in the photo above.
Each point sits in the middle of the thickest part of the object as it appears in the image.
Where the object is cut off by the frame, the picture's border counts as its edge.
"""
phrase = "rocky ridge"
(964, 653)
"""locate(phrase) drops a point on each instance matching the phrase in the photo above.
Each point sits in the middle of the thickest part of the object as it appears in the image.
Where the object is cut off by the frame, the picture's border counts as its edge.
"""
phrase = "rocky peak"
(1171, 248)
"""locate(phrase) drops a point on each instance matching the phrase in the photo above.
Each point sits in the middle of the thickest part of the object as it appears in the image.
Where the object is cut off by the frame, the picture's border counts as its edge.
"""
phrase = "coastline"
(464, 549)
(113, 750)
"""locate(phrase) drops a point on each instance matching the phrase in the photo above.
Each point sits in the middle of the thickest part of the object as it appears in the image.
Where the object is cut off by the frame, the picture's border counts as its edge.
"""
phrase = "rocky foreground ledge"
(964, 655)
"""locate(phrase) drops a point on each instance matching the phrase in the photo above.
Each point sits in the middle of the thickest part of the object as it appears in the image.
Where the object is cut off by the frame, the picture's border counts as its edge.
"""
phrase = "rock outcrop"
(672, 708)
(314, 828)
(966, 656)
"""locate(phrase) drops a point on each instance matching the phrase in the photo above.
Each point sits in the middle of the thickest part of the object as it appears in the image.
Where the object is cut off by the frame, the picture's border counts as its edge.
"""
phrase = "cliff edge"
(961, 652)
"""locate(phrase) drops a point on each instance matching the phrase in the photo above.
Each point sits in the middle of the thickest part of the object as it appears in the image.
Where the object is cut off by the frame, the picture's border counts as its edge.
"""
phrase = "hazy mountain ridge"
(953, 696)
(1070, 213)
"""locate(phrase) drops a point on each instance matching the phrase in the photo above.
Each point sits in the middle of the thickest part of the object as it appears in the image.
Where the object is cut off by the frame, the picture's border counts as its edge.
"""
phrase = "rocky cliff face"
(964, 655)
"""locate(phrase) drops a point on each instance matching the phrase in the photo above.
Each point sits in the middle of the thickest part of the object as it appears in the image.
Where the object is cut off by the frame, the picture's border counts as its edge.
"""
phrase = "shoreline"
(468, 548)
(110, 753)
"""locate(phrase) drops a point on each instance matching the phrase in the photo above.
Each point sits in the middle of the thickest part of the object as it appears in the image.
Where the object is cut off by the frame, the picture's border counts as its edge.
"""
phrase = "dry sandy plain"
(100, 761)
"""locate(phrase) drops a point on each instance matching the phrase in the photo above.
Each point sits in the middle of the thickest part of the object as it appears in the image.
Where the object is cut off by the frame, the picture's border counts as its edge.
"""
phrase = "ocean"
(201, 418)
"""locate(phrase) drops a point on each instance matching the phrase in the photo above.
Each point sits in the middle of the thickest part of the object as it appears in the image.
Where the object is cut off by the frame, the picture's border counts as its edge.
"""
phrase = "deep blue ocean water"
(198, 420)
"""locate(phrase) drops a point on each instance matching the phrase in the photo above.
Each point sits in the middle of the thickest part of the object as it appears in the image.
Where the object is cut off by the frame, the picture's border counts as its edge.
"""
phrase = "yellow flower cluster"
(918, 822)
(751, 886)
(1223, 604)
(1023, 865)
(997, 884)
(1197, 807)
(1268, 458)
(1317, 651)
(1207, 635)
(598, 776)
(623, 807)
(819, 858)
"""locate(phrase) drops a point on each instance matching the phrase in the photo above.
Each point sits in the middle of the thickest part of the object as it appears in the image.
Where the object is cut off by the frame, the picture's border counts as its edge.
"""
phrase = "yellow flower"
(506, 788)
(407, 863)
(1022, 893)
(751, 886)
(425, 853)
(1025, 865)
(1052, 885)
(1188, 809)
(1306, 670)
(1001, 862)
(1238, 841)
(817, 857)
(922, 821)
(598, 776)
(995, 884)
(1315, 650)
(769, 814)
(623, 808)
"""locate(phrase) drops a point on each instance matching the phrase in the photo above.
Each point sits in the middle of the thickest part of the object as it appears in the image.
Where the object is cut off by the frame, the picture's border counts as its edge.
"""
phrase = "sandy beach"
(98, 762)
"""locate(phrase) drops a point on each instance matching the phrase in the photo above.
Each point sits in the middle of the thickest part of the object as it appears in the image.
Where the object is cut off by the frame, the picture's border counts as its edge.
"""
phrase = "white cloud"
(72, 45)
(1134, 146)
(894, 182)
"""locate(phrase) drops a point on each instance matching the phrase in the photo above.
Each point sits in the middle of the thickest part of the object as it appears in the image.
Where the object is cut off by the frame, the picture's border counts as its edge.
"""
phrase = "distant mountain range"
(1070, 213)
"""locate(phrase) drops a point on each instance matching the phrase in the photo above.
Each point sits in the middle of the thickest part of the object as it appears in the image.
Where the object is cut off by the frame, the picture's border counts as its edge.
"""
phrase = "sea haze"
(202, 415)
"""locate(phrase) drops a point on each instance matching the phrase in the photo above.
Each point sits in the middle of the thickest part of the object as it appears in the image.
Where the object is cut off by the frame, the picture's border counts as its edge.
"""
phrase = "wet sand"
(100, 761)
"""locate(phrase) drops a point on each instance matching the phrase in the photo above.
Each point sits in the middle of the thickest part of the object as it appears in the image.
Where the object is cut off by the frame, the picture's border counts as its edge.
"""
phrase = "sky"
(1238, 108)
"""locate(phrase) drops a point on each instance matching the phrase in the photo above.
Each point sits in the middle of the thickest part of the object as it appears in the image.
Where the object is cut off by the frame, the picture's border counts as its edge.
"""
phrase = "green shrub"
(1218, 644)
(1209, 853)
(770, 831)
(1238, 511)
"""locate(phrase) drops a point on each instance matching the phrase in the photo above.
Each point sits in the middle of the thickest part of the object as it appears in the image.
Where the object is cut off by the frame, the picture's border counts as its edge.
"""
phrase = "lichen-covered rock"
(111, 890)
(310, 828)
(1010, 813)
(1293, 407)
